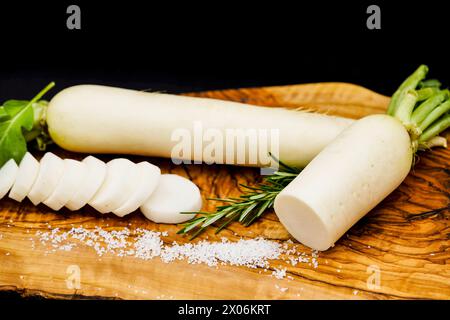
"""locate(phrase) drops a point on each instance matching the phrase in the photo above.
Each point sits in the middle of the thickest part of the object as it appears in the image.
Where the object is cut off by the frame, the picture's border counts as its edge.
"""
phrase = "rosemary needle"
(250, 206)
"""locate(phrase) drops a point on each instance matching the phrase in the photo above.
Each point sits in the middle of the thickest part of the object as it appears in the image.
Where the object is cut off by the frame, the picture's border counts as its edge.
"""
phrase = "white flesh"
(119, 183)
(93, 179)
(99, 119)
(71, 180)
(345, 181)
(149, 175)
(28, 171)
(174, 194)
(8, 175)
(50, 172)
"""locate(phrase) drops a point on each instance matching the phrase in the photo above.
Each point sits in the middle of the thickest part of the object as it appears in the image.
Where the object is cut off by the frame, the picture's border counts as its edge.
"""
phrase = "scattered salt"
(281, 288)
(147, 245)
(279, 273)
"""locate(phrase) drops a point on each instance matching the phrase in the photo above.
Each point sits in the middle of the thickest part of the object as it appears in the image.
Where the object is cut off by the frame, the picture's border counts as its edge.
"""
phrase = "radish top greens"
(21, 122)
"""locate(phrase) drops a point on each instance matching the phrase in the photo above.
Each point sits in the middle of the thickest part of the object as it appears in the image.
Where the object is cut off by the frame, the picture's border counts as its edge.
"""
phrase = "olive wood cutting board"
(399, 250)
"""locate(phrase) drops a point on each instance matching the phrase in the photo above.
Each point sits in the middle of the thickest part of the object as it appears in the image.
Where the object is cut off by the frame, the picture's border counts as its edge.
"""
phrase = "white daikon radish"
(119, 183)
(99, 119)
(363, 165)
(51, 170)
(173, 195)
(71, 181)
(148, 176)
(93, 179)
(28, 171)
(346, 180)
(8, 175)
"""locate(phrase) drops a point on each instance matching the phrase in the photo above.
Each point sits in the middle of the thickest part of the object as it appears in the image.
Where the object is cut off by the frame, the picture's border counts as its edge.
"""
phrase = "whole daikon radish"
(363, 165)
(99, 119)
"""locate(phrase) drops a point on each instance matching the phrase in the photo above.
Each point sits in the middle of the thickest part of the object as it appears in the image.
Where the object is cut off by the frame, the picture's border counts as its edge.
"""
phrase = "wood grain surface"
(405, 240)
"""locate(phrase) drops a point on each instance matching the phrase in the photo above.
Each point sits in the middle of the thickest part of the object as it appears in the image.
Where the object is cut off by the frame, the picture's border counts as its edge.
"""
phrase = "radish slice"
(28, 171)
(73, 176)
(120, 181)
(93, 179)
(8, 175)
(148, 176)
(50, 172)
(173, 195)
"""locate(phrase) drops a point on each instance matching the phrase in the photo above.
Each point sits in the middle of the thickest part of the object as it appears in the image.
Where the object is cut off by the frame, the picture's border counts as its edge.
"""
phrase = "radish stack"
(119, 186)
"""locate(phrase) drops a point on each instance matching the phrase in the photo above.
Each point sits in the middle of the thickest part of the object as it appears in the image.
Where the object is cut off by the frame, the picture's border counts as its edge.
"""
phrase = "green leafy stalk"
(409, 84)
(17, 120)
(247, 208)
(425, 93)
(423, 108)
(436, 128)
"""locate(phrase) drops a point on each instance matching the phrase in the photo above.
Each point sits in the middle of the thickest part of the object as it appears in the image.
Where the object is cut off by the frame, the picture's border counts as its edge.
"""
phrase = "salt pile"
(146, 244)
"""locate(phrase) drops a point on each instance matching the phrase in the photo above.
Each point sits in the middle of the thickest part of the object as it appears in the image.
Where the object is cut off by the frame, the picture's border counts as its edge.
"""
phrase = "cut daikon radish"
(71, 180)
(173, 195)
(93, 179)
(148, 180)
(50, 172)
(119, 183)
(8, 175)
(365, 163)
(28, 171)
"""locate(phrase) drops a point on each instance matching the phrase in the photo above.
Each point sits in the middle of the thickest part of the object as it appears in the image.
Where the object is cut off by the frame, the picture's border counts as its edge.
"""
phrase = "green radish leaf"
(19, 116)
(16, 121)
(3, 114)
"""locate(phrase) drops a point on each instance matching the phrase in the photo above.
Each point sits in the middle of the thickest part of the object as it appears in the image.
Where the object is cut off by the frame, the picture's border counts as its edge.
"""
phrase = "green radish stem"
(435, 129)
(405, 106)
(430, 83)
(425, 93)
(435, 114)
(423, 109)
(39, 132)
(409, 84)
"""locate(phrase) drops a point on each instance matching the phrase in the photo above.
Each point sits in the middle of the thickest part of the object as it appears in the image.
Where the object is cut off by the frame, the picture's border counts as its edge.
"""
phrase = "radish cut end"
(302, 222)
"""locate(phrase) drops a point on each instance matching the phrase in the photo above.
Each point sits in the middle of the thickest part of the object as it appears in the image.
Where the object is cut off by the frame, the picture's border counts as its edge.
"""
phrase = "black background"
(193, 45)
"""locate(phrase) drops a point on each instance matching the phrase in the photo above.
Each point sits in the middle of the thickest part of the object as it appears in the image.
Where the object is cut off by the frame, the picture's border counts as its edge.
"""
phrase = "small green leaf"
(12, 141)
(16, 120)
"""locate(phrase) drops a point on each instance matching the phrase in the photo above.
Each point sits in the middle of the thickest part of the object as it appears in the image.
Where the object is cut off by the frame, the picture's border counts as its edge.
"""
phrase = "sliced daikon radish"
(71, 180)
(148, 176)
(50, 172)
(92, 181)
(28, 171)
(8, 175)
(173, 195)
(120, 180)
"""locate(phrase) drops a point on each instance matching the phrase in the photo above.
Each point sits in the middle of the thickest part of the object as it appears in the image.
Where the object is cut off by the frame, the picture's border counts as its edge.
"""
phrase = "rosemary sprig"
(247, 208)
